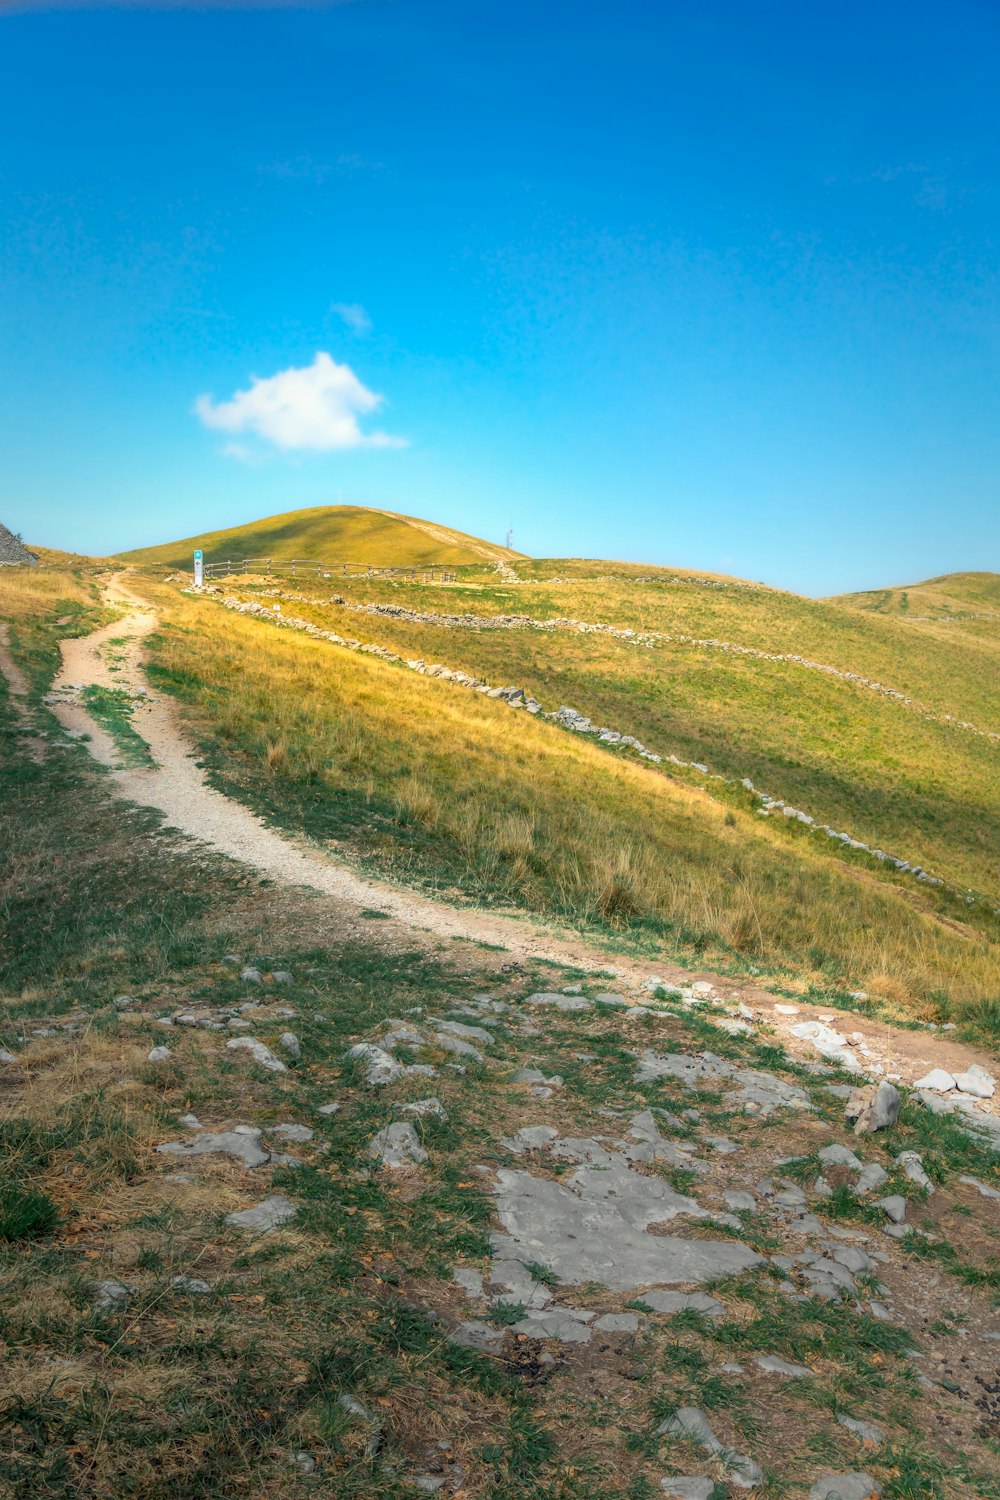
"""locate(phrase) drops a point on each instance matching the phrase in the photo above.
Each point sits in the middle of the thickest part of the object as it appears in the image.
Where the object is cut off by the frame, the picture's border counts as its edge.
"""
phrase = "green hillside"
(940, 598)
(330, 533)
(880, 727)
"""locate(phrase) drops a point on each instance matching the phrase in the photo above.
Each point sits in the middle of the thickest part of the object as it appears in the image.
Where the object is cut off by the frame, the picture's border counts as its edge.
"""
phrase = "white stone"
(937, 1080)
(976, 1081)
(257, 1051)
(397, 1145)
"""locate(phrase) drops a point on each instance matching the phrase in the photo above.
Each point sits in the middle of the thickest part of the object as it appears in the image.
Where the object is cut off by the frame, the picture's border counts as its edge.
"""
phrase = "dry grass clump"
(26, 593)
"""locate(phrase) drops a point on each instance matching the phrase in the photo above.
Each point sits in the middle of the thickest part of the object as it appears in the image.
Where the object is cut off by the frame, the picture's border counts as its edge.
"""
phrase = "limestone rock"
(771, 1364)
(560, 1002)
(264, 1217)
(380, 1067)
(257, 1051)
(911, 1165)
(675, 1302)
(870, 1176)
(478, 1336)
(626, 1322)
(982, 1188)
(867, 1432)
(564, 1324)
(592, 1227)
(158, 1054)
(739, 1201)
(397, 1145)
(289, 1042)
(895, 1207)
(424, 1109)
(243, 1144)
(688, 1487)
(111, 1295)
(457, 1046)
(466, 1033)
(853, 1486)
(690, 1422)
(879, 1110)
(937, 1081)
(976, 1081)
(291, 1132)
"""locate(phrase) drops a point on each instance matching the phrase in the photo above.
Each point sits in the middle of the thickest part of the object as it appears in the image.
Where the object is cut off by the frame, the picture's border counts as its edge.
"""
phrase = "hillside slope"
(949, 595)
(330, 533)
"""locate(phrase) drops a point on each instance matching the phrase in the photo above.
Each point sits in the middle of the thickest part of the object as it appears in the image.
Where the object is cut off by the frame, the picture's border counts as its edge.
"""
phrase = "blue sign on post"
(199, 571)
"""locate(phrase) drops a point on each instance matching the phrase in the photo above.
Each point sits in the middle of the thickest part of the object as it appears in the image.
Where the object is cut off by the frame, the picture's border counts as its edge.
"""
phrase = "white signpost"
(199, 569)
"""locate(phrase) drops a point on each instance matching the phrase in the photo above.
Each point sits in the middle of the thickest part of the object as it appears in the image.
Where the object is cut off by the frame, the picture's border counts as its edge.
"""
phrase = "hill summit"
(331, 533)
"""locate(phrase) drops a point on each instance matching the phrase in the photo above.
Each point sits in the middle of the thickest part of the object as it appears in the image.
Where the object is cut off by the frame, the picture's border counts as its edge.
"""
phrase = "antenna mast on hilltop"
(510, 537)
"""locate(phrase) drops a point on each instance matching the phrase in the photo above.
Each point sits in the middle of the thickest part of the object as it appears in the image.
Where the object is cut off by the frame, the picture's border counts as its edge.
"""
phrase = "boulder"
(976, 1081)
(879, 1109)
(397, 1145)
(937, 1081)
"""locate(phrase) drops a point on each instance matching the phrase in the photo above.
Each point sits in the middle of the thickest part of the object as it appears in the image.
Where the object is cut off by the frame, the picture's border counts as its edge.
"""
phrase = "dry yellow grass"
(430, 782)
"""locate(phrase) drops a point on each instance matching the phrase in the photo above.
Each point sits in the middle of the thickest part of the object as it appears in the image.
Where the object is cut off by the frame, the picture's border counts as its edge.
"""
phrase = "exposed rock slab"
(592, 1227)
(264, 1217)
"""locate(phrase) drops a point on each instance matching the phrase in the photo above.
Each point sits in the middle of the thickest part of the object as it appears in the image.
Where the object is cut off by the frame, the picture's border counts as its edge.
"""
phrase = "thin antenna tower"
(510, 536)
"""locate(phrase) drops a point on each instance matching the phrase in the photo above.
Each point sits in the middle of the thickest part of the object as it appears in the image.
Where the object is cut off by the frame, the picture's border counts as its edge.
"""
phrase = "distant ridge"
(331, 533)
(949, 595)
(13, 554)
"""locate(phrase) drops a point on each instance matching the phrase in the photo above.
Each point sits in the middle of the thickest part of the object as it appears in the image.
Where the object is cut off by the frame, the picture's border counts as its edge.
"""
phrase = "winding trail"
(177, 787)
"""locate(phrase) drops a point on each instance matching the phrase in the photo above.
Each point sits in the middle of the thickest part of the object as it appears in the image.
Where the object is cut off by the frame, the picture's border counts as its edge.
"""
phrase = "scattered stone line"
(578, 723)
(647, 638)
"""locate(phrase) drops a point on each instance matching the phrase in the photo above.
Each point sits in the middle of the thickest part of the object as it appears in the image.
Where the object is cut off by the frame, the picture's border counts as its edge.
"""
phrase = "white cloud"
(354, 315)
(316, 407)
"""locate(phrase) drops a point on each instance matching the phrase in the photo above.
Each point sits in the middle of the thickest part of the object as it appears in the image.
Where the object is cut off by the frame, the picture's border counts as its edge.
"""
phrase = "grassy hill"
(882, 725)
(873, 724)
(940, 598)
(330, 533)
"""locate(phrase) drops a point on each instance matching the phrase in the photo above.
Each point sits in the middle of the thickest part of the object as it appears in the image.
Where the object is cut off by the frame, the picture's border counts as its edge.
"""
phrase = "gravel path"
(177, 787)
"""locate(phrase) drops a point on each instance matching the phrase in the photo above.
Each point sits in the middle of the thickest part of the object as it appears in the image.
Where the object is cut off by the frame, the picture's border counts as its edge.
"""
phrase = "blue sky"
(702, 283)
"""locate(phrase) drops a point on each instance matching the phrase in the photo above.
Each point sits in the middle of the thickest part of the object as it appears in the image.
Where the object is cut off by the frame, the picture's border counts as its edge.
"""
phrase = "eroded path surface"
(177, 787)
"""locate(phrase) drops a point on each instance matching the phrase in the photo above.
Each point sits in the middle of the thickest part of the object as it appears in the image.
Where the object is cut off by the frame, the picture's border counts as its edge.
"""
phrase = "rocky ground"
(341, 1198)
(510, 1237)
